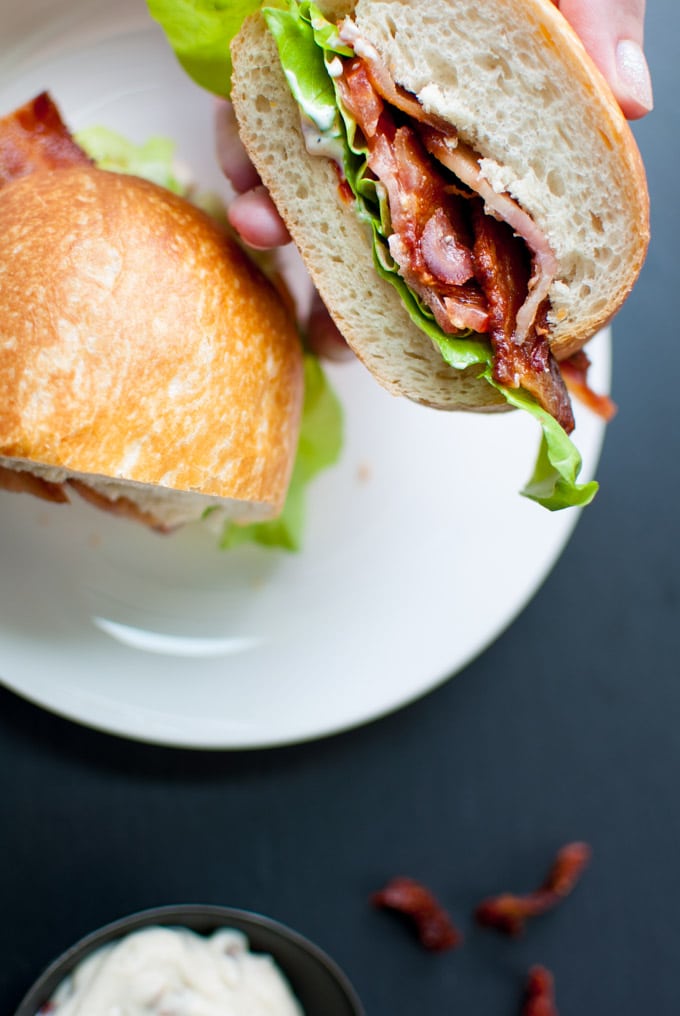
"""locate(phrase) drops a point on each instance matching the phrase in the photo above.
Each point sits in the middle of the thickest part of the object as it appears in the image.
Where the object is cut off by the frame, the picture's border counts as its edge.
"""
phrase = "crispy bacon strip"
(462, 161)
(503, 272)
(574, 371)
(467, 266)
(34, 137)
(431, 240)
(434, 927)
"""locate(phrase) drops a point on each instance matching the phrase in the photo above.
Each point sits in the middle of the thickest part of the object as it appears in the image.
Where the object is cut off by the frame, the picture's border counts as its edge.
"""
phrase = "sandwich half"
(464, 190)
(145, 362)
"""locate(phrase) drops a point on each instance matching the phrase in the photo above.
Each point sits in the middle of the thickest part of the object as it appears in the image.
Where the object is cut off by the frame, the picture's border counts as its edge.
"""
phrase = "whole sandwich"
(145, 362)
(464, 190)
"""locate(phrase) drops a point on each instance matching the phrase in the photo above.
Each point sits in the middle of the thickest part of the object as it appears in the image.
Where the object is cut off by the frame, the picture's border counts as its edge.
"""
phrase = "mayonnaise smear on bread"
(175, 972)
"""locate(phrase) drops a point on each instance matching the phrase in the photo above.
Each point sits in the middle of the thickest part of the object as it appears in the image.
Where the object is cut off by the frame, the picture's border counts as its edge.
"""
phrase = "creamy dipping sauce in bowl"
(160, 971)
(192, 960)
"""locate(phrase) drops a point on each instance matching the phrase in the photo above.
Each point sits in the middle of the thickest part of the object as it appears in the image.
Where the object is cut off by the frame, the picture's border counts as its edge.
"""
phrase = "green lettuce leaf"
(303, 64)
(200, 32)
(319, 446)
(554, 481)
(154, 159)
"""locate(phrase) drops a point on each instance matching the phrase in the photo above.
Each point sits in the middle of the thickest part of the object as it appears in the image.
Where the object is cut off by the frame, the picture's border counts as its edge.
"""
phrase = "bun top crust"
(138, 342)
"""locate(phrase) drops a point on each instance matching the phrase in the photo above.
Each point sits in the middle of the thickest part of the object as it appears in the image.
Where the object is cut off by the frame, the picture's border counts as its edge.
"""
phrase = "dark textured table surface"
(567, 727)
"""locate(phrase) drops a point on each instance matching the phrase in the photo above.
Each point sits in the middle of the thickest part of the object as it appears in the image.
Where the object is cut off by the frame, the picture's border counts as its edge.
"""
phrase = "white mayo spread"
(175, 972)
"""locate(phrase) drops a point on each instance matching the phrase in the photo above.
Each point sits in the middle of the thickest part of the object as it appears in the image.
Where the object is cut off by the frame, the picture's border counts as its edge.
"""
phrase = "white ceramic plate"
(407, 571)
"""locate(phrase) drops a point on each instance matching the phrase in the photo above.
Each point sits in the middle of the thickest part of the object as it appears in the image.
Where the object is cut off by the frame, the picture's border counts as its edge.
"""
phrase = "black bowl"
(320, 986)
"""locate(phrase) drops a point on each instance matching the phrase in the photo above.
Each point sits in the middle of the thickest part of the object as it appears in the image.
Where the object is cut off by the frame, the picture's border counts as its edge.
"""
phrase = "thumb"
(612, 32)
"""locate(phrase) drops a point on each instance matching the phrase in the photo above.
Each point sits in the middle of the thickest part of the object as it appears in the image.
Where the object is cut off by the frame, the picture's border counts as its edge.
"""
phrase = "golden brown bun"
(517, 84)
(141, 353)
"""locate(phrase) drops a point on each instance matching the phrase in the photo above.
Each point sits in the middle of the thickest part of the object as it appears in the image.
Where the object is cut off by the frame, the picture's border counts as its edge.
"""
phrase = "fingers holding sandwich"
(252, 212)
(612, 32)
(256, 220)
(323, 335)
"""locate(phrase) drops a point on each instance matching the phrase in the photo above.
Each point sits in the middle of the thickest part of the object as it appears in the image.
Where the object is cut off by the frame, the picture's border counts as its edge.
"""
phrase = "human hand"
(612, 32)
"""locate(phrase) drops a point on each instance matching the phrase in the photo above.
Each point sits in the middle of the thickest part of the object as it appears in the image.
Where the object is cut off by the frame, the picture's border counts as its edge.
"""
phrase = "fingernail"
(634, 73)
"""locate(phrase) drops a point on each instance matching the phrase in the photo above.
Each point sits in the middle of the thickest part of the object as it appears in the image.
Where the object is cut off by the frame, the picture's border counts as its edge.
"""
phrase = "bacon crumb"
(434, 927)
(509, 913)
(539, 999)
